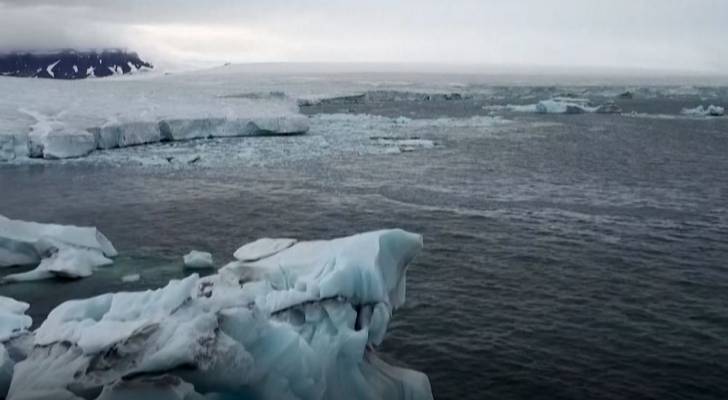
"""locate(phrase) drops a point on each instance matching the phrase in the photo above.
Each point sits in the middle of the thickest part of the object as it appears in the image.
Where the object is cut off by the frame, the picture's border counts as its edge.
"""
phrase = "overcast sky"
(659, 34)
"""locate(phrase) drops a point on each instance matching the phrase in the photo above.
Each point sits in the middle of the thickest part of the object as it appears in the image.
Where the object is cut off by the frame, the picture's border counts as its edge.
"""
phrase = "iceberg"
(198, 259)
(58, 250)
(302, 322)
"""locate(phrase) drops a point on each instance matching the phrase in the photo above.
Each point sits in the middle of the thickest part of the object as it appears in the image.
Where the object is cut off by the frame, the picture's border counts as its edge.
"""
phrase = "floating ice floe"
(57, 250)
(710, 111)
(198, 259)
(299, 323)
(130, 278)
(561, 105)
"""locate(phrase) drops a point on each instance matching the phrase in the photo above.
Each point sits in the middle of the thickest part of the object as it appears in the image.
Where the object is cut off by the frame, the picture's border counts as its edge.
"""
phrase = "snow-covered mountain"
(71, 64)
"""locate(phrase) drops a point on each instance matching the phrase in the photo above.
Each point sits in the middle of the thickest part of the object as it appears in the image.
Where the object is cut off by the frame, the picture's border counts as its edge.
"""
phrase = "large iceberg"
(300, 323)
(57, 250)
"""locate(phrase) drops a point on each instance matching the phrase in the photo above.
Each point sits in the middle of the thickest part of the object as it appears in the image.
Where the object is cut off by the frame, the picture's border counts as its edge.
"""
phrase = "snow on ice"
(300, 322)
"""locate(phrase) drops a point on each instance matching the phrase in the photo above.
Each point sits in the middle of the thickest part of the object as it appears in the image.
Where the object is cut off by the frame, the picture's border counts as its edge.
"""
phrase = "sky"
(685, 35)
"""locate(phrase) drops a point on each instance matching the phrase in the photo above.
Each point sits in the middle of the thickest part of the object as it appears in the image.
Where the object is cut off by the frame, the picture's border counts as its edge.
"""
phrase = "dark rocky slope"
(70, 64)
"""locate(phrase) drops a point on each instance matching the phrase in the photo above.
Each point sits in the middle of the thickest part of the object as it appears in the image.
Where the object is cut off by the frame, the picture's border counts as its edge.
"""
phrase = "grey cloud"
(684, 34)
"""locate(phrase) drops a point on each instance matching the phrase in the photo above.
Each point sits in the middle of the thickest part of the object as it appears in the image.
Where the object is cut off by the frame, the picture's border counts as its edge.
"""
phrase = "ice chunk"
(130, 278)
(609, 108)
(18, 240)
(299, 324)
(63, 261)
(262, 248)
(711, 111)
(13, 320)
(198, 259)
(557, 106)
(126, 134)
(186, 129)
(61, 143)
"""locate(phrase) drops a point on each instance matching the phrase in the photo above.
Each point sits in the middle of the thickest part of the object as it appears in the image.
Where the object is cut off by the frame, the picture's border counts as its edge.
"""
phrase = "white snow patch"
(49, 69)
(198, 259)
(262, 248)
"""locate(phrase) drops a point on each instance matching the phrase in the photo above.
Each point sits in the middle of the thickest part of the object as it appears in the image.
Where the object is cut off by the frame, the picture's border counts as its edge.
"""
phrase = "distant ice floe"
(560, 105)
(709, 111)
(58, 250)
(330, 136)
(300, 322)
(130, 278)
(198, 259)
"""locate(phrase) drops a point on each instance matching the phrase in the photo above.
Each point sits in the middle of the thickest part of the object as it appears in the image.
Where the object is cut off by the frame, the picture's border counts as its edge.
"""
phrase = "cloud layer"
(651, 34)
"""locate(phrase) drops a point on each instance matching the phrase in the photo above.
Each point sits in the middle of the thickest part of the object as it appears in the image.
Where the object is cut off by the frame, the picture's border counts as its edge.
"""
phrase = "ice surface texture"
(59, 250)
(13, 323)
(300, 323)
(61, 119)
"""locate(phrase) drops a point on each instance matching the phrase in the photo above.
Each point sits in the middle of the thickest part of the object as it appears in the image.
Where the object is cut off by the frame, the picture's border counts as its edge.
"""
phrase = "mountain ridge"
(71, 64)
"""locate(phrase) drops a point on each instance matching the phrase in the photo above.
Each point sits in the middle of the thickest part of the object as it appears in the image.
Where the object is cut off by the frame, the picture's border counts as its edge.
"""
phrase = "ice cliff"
(286, 320)
(54, 119)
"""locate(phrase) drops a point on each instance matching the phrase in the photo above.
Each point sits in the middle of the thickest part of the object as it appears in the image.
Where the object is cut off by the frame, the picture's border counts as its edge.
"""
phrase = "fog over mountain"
(649, 34)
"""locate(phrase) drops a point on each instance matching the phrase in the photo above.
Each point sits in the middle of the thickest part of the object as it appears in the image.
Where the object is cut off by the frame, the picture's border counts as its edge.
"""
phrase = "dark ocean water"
(566, 257)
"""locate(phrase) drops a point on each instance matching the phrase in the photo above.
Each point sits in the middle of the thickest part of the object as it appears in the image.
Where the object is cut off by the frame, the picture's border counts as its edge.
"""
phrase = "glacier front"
(53, 119)
(299, 321)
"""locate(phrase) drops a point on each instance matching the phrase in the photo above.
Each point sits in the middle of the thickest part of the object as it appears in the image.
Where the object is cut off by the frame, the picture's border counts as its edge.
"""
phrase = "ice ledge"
(50, 141)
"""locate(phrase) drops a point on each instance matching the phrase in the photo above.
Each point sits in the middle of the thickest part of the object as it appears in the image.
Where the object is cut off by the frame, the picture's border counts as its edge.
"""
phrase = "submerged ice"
(287, 320)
